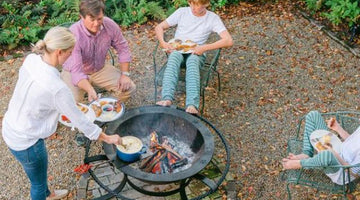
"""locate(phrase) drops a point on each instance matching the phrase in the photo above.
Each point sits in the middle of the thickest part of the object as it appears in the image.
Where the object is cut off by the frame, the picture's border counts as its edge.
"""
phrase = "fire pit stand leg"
(210, 183)
(183, 184)
(111, 193)
(182, 190)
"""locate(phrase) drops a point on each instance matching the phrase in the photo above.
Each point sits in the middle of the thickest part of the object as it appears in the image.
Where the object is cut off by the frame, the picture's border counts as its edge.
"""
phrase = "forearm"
(225, 41)
(102, 137)
(159, 34)
(335, 126)
(124, 67)
(85, 85)
(159, 31)
(217, 45)
(110, 139)
(343, 134)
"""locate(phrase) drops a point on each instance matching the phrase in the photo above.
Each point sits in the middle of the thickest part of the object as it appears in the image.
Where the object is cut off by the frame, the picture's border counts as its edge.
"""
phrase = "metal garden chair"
(206, 71)
(314, 176)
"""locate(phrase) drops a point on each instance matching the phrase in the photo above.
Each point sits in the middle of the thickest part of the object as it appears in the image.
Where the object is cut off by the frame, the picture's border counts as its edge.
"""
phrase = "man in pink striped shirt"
(86, 66)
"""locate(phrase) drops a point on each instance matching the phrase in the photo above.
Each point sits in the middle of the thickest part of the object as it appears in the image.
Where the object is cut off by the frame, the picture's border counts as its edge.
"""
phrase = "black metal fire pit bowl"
(179, 125)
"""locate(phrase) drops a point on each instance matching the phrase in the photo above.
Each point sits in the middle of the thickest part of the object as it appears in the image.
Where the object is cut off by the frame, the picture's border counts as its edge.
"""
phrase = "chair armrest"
(215, 59)
(333, 166)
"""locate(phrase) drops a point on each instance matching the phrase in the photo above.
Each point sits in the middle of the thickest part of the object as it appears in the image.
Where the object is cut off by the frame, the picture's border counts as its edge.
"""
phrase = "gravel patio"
(280, 67)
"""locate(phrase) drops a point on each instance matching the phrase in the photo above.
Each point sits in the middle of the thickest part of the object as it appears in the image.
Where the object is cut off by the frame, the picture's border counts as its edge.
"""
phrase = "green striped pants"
(192, 77)
(314, 121)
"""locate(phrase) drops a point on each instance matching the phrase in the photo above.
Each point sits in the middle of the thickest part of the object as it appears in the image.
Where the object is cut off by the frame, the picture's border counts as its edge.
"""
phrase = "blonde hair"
(199, 2)
(56, 38)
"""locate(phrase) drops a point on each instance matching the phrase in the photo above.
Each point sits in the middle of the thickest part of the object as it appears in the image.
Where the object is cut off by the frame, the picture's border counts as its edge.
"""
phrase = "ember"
(164, 159)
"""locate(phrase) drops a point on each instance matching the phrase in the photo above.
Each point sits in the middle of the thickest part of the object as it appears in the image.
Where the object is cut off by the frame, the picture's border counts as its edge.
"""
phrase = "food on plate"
(319, 146)
(103, 103)
(187, 49)
(183, 46)
(82, 108)
(327, 139)
(176, 44)
(188, 45)
(323, 142)
(332, 121)
(117, 106)
(109, 106)
(97, 109)
(65, 119)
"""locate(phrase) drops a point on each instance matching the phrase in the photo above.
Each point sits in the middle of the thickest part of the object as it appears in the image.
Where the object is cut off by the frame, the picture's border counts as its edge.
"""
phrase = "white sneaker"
(59, 194)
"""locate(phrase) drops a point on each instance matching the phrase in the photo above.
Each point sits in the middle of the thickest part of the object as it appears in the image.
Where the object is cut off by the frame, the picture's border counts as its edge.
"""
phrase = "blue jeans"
(34, 161)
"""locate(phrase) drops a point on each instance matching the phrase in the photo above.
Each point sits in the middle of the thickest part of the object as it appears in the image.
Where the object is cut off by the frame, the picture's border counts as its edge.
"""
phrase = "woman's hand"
(110, 139)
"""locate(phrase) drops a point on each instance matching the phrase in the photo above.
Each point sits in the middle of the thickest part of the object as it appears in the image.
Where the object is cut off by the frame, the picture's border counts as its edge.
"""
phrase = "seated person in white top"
(194, 23)
(349, 152)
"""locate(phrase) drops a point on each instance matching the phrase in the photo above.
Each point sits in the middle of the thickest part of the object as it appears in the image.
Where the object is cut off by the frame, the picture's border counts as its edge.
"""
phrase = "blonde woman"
(38, 99)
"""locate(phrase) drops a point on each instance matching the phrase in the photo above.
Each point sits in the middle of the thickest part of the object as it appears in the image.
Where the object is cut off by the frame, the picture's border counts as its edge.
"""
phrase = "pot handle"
(143, 150)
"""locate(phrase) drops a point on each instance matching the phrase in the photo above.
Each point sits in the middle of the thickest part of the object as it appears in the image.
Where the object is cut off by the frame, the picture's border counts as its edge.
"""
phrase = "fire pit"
(178, 125)
(193, 141)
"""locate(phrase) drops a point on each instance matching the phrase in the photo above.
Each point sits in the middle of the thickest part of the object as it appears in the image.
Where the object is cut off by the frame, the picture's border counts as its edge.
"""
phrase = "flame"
(154, 139)
(164, 158)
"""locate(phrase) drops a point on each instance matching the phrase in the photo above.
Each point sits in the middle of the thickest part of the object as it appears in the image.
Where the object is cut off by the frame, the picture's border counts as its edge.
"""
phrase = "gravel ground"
(280, 67)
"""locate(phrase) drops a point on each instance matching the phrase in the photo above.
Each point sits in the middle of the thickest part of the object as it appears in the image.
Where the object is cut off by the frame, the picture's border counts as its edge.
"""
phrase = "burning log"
(164, 159)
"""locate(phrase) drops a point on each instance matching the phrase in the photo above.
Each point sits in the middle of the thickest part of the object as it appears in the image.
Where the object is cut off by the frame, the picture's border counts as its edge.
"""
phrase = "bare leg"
(191, 109)
(164, 103)
(291, 164)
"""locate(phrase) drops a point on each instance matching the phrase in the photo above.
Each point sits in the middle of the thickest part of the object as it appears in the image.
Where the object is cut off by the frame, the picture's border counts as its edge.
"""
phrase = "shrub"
(342, 11)
(337, 11)
(127, 12)
(24, 22)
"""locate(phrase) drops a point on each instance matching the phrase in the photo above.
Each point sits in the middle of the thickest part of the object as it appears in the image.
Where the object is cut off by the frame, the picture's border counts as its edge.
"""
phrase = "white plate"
(108, 117)
(183, 43)
(90, 114)
(317, 136)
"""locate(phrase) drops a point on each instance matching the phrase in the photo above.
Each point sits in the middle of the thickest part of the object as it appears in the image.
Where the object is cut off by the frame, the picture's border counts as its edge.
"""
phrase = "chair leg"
(203, 101)
(288, 191)
(218, 77)
(155, 87)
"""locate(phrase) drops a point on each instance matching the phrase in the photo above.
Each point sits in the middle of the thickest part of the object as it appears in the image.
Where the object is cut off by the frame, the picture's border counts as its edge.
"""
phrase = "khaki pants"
(106, 78)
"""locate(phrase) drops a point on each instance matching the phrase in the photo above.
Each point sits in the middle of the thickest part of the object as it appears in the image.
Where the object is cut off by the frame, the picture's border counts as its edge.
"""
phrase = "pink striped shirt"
(90, 51)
